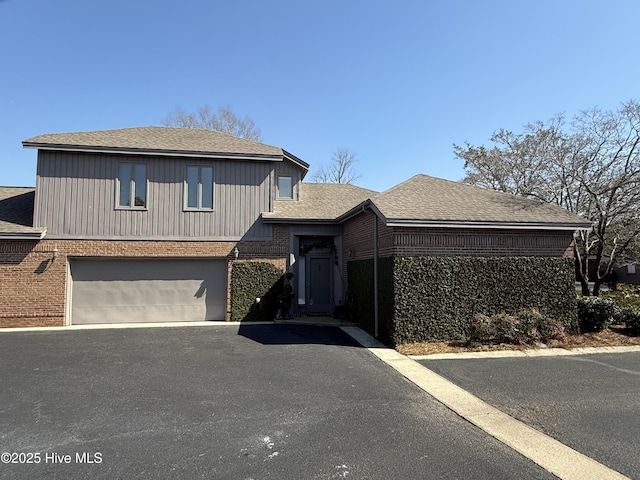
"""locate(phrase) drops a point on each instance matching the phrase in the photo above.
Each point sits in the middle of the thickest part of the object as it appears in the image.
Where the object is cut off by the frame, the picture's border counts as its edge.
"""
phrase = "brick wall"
(33, 283)
(478, 242)
(421, 241)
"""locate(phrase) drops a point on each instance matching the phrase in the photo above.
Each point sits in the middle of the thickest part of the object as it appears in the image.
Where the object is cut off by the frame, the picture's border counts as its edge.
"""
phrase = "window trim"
(132, 187)
(280, 197)
(185, 183)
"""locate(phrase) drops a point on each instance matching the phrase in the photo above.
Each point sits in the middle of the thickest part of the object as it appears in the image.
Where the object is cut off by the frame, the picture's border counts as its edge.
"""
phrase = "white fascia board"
(23, 235)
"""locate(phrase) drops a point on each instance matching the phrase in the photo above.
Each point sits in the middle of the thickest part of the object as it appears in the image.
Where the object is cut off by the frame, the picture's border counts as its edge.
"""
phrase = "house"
(145, 225)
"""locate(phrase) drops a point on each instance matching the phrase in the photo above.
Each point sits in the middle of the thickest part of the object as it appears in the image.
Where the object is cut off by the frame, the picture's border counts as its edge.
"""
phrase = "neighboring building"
(145, 224)
(629, 273)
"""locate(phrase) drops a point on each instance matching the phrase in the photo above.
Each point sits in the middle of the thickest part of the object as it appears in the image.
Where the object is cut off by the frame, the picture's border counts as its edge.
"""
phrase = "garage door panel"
(117, 291)
(141, 314)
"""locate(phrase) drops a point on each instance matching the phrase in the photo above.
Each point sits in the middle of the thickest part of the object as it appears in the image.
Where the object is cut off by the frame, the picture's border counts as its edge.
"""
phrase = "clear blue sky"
(396, 82)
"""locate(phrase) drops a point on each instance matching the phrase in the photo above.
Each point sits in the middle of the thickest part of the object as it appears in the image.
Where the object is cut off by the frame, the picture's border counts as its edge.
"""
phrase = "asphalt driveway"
(259, 402)
(588, 402)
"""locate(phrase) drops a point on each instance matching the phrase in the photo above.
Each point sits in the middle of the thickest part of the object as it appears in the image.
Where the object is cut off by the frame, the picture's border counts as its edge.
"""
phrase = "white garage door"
(133, 290)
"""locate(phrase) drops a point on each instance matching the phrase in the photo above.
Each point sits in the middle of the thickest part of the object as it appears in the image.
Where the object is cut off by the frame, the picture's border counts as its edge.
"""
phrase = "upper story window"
(199, 188)
(132, 185)
(285, 187)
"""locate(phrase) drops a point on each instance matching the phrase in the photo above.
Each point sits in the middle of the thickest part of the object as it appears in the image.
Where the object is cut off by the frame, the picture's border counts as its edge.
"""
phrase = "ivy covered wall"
(435, 298)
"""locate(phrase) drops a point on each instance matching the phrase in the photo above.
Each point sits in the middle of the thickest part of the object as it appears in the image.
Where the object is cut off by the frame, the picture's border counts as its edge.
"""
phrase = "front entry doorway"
(315, 275)
(319, 284)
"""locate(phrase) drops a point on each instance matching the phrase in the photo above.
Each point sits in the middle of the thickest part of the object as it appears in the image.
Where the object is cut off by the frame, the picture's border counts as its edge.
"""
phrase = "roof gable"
(319, 202)
(434, 201)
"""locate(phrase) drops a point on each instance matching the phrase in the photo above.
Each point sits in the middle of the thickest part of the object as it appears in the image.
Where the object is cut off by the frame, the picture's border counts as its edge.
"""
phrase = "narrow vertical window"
(199, 188)
(285, 187)
(140, 185)
(124, 178)
(192, 187)
(132, 185)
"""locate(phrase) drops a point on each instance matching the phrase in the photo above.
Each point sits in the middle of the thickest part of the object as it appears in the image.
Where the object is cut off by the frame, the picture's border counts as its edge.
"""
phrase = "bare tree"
(223, 120)
(592, 169)
(339, 170)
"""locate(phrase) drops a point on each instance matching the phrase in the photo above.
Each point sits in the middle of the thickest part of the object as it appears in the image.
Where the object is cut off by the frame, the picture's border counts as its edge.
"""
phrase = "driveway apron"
(222, 401)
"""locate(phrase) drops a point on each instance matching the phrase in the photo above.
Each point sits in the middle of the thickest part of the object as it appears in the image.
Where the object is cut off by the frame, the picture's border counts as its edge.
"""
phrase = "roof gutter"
(488, 225)
(366, 205)
(297, 161)
(300, 221)
(152, 151)
(23, 235)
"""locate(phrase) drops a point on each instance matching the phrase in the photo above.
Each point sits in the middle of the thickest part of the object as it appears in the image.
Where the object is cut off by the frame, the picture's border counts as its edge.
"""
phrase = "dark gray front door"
(319, 284)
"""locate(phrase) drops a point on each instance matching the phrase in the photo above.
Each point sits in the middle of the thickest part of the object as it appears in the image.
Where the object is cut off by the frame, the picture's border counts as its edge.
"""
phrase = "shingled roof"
(162, 140)
(425, 200)
(16, 213)
(319, 202)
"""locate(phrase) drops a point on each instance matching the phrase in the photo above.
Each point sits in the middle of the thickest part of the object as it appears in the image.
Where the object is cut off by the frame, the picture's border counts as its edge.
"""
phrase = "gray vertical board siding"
(291, 169)
(77, 198)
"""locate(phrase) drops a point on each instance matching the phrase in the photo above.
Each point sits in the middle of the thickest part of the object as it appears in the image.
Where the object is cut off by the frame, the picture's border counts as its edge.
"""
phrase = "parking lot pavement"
(255, 402)
(588, 402)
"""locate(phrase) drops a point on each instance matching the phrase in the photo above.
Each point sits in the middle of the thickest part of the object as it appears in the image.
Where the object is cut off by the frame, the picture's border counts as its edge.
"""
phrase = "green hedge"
(251, 280)
(360, 292)
(436, 298)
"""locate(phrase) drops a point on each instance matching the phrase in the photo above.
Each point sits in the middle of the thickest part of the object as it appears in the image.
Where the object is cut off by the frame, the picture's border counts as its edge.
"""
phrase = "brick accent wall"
(33, 283)
(477, 242)
(421, 241)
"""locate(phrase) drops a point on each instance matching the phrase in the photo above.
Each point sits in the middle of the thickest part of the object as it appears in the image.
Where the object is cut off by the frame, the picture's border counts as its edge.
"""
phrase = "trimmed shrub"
(551, 329)
(528, 327)
(360, 295)
(251, 280)
(595, 313)
(628, 317)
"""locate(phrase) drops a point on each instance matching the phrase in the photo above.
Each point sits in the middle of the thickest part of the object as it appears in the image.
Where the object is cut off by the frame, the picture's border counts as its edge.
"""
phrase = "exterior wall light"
(236, 253)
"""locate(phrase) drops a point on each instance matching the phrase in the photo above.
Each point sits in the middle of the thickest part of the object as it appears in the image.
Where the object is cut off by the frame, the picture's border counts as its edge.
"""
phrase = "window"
(199, 188)
(132, 185)
(285, 187)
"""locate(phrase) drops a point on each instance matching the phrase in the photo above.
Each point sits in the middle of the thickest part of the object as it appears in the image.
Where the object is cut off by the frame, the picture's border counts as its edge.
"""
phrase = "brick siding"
(421, 241)
(33, 283)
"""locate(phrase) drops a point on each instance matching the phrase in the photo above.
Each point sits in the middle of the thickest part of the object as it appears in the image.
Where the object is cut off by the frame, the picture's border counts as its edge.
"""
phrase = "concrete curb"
(538, 352)
(550, 454)
(118, 326)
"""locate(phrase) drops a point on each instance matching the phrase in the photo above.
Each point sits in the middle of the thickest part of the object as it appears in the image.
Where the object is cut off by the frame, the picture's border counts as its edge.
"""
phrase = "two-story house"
(145, 224)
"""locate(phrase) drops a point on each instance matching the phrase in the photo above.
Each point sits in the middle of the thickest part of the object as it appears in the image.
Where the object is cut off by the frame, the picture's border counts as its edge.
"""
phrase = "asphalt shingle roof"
(320, 201)
(158, 139)
(428, 199)
(425, 200)
(16, 212)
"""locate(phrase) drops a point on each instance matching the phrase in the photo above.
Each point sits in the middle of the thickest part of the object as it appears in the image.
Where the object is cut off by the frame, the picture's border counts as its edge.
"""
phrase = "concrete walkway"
(550, 454)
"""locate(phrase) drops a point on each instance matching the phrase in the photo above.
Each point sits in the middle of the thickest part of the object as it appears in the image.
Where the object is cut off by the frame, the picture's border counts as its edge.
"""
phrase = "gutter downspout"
(375, 274)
